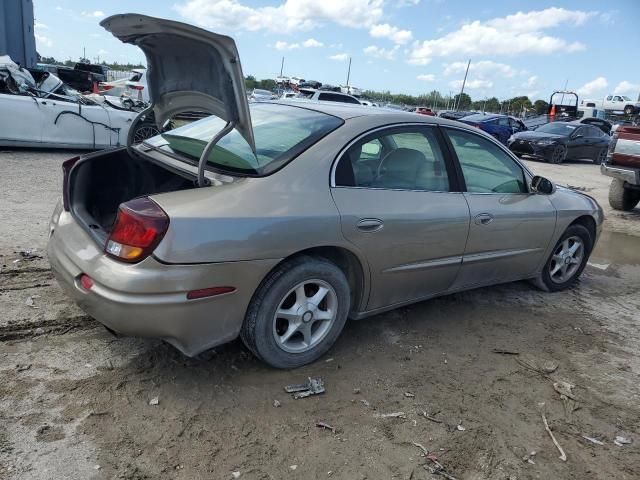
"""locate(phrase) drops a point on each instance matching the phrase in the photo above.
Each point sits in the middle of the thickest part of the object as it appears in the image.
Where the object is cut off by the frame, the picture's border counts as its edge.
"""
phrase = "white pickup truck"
(615, 103)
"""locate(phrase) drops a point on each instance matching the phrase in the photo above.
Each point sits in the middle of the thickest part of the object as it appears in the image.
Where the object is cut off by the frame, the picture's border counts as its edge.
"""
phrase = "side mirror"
(542, 185)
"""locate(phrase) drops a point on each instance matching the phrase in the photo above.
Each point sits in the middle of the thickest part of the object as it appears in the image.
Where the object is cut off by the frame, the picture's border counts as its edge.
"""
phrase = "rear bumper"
(149, 299)
(629, 175)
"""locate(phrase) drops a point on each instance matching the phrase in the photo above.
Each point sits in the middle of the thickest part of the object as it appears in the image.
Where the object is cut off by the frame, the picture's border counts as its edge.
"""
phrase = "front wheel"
(297, 313)
(567, 261)
(629, 110)
(558, 154)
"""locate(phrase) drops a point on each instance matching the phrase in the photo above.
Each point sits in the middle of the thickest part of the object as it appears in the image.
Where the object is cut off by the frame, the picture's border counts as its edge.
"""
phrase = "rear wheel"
(629, 110)
(567, 261)
(601, 156)
(621, 198)
(144, 131)
(297, 313)
(558, 154)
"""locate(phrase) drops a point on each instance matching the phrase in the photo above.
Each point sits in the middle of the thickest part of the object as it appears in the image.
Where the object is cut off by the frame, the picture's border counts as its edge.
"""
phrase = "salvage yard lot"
(74, 400)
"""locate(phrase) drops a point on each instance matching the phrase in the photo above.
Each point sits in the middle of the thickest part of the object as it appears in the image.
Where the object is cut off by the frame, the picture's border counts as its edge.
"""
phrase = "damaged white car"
(39, 110)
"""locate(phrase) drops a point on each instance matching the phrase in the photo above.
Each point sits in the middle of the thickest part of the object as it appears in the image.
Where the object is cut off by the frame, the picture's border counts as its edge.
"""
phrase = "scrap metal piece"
(314, 386)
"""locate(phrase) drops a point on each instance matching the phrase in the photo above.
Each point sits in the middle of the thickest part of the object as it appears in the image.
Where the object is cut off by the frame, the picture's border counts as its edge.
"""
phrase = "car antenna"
(202, 180)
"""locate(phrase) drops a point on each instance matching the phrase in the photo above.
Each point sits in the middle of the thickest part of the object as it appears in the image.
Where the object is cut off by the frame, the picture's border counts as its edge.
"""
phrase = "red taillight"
(139, 227)
(137, 87)
(67, 165)
(105, 87)
(209, 292)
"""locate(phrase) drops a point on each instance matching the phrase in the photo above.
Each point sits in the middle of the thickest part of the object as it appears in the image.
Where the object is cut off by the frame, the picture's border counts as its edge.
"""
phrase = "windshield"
(281, 133)
(477, 117)
(557, 128)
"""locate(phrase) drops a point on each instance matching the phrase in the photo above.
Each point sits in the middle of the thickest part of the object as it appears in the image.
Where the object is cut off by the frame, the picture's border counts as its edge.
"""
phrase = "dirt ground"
(75, 401)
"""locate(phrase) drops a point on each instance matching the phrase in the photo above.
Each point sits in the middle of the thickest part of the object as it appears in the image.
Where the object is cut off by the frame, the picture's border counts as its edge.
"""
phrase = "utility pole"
(282, 66)
(463, 84)
(348, 74)
(84, 53)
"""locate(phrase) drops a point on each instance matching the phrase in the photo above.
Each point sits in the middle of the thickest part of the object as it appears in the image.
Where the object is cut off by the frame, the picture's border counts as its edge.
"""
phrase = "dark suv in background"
(623, 164)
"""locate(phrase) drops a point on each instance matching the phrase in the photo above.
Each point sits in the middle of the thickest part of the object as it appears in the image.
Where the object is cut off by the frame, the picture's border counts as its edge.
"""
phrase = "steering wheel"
(379, 169)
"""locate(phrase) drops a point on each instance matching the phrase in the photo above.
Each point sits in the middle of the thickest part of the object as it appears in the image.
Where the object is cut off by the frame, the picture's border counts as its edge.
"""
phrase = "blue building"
(16, 32)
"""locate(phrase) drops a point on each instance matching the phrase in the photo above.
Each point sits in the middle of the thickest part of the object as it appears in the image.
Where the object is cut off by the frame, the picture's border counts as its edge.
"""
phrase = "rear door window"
(336, 97)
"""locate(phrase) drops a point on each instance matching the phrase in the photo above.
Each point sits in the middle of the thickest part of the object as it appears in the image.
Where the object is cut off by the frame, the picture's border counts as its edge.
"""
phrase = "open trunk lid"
(188, 69)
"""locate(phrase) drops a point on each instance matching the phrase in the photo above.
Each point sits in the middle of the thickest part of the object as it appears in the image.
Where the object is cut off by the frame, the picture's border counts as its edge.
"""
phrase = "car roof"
(347, 111)
(482, 116)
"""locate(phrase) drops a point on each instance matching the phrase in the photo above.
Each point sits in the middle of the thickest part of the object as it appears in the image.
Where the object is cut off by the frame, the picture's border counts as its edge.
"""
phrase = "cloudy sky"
(411, 46)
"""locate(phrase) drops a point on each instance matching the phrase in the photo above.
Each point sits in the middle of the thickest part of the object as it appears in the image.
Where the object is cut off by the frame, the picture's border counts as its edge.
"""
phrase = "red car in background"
(424, 111)
(623, 165)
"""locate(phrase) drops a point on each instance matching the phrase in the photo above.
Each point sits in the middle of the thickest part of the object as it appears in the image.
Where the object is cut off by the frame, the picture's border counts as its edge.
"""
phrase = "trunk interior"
(98, 185)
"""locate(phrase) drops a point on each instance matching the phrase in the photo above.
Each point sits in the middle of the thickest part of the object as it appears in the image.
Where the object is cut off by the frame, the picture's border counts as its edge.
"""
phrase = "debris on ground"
(293, 467)
(328, 360)
(505, 352)
(314, 386)
(461, 428)
(21, 367)
(326, 426)
(28, 254)
(409, 395)
(276, 403)
(599, 266)
(430, 417)
(529, 458)
(564, 388)
(154, 401)
(235, 474)
(593, 440)
(421, 447)
(30, 301)
(544, 367)
(438, 469)
(365, 402)
(620, 441)
(563, 456)
(356, 390)
(391, 415)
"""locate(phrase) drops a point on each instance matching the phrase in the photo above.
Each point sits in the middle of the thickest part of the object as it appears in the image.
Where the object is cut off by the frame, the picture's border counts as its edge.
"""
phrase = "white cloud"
(594, 86)
(627, 87)
(102, 51)
(481, 68)
(384, 30)
(407, 3)
(426, 77)
(377, 52)
(312, 43)
(40, 26)
(340, 57)
(42, 40)
(518, 34)
(94, 14)
(292, 15)
(531, 82)
(471, 84)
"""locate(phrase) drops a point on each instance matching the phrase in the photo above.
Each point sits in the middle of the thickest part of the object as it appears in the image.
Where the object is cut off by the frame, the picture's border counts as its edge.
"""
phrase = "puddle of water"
(616, 248)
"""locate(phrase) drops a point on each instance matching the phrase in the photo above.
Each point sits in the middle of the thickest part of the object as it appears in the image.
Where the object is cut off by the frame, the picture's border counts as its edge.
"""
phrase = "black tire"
(601, 156)
(629, 110)
(621, 198)
(257, 331)
(544, 281)
(557, 155)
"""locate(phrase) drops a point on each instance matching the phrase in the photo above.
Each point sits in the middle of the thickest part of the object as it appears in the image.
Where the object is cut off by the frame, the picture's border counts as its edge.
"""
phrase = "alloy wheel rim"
(566, 259)
(305, 316)
(557, 154)
(145, 132)
(601, 155)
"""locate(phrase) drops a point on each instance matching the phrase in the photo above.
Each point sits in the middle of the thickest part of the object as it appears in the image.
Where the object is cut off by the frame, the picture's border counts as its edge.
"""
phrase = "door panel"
(510, 227)
(512, 244)
(78, 125)
(418, 249)
(20, 119)
(392, 192)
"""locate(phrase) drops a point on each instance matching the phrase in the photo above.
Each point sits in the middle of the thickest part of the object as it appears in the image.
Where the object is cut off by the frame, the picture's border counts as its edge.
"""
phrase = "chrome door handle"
(370, 224)
(483, 219)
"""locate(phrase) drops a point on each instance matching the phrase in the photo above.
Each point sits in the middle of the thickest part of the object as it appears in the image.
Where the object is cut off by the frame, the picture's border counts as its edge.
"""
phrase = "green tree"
(541, 107)
(462, 102)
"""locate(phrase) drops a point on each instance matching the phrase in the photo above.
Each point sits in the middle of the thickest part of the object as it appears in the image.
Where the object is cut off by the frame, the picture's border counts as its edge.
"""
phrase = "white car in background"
(135, 86)
(327, 96)
(39, 110)
(259, 95)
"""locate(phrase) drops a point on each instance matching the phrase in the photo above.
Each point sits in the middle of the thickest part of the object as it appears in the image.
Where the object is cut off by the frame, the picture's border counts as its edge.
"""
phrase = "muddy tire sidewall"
(545, 277)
